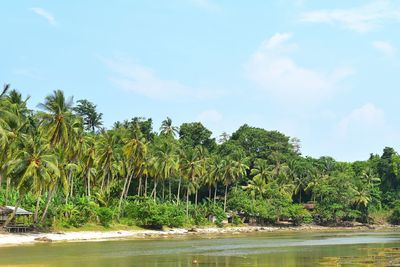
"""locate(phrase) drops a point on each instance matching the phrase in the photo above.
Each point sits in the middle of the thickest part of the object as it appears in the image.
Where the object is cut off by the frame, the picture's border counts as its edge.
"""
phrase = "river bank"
(14, 239)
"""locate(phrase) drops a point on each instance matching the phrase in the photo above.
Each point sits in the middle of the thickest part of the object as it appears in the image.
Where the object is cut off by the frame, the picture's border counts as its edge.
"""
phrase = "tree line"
(62, 163)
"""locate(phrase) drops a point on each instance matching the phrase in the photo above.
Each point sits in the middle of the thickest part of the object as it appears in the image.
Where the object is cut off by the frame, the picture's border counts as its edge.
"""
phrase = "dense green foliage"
(63, 165)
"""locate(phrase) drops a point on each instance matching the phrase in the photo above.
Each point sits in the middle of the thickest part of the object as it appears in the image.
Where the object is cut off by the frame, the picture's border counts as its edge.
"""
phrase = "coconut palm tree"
(215, 174)
(108, 148)
(261, 170)
(192, 168)
(91, 118)
(256, 187)
(57, 118)
(168, 129)
(34, 166)
(165, 164)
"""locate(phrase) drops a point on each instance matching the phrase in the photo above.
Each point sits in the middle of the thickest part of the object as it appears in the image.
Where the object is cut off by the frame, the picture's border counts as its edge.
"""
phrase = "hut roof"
(10, 209)
(4, 210)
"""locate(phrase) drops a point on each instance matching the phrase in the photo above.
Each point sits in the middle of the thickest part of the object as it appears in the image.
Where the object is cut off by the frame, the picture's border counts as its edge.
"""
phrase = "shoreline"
(16, 239)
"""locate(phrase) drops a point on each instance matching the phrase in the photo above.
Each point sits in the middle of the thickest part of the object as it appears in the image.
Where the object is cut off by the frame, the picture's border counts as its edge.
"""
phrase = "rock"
(43, 239)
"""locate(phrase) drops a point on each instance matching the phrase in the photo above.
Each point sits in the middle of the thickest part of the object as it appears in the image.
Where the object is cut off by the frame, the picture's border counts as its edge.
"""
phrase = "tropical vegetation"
(59, 161)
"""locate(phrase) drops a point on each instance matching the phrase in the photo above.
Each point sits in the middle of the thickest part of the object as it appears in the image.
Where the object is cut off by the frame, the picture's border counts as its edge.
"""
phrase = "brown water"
(256, 249)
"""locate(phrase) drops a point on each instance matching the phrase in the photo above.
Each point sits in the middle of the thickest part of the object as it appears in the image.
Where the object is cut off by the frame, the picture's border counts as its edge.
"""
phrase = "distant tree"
(168, 129)
(91, 118)
(260, 143)
(195, 134)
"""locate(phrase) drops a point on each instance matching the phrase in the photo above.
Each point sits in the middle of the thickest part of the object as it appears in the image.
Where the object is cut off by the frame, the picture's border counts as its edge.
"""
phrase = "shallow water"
(255, 249)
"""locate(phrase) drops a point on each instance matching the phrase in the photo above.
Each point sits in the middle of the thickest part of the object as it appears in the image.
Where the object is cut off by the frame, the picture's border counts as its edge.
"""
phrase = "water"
(256, 249)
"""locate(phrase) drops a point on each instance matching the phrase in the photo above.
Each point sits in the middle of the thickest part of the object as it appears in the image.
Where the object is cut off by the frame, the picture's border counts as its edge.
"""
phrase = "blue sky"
(326, 72)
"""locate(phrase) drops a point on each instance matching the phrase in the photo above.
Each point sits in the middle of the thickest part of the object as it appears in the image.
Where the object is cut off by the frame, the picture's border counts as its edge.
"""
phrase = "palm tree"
(91, 118)
(191, 168)
(261, 170)
(165, 164)
(107, 148)
(57, 118)
(215, 174)
(33, 167)
(135, 151)
(256, 187)
(233, 169)
(168, 129)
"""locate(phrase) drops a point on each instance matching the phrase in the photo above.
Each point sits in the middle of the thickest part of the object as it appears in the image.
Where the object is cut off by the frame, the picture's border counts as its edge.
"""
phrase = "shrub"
(299, 214)
(148, 213)
(395, 216)
(219, 214)
(236, 220)
(105, 216)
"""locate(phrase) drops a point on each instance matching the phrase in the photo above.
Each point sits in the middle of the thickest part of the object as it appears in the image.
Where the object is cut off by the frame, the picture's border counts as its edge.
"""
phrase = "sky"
(326, 72)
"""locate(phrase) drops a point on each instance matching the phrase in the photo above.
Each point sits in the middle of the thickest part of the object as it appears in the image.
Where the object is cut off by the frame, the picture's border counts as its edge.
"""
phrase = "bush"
(264, 212)
(105, 216)
(148, 213)
(299, 214)
(236, 220)
(395, 216)
(219, 214)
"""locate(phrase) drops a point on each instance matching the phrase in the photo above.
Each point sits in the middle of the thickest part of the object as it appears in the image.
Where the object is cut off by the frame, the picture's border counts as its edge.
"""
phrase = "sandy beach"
(14, 239)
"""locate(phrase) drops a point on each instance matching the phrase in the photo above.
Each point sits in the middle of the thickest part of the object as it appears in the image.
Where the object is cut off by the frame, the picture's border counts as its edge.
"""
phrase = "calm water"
(257, 249)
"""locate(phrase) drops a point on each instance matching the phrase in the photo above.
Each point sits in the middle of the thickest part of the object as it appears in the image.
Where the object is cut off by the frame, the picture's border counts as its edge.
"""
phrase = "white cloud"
(210, 117)
(144, 81)
(208, 5)
(367, 117)
(276, 73)
(386, 48)
(361, 19)
(45, 14)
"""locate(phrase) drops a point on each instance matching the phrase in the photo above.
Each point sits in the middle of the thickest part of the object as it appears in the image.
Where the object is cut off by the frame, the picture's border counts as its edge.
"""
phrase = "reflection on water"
(256, 249)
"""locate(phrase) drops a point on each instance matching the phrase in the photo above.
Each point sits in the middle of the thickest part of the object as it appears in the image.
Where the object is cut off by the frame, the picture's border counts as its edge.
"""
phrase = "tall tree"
(91, 118)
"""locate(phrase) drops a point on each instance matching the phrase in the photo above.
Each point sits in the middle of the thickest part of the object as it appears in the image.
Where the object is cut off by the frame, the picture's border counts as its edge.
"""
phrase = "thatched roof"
(5, 210)
(309, 206)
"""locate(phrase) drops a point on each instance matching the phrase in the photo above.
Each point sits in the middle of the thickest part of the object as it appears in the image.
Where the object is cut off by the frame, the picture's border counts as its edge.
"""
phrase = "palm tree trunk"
(128, 185)
(209, 192)
(179, 190)
(139, 187)
(69, 183)
(154, 190)
(49, 198)
(226, 193)
(169, 189)
(215, 194)
(72, 186)
(145, 187)
(8, 182)
(163, 190)
(187, 202)
(36, 214)
(195, 198)
(122, 197)
(88, 183)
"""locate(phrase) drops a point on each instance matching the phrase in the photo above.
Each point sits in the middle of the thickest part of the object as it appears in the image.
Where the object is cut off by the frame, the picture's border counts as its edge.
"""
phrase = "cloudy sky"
(326, 72)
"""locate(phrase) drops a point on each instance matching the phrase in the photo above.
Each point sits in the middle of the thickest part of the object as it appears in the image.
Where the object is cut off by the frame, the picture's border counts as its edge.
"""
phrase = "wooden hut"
(20, 223)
